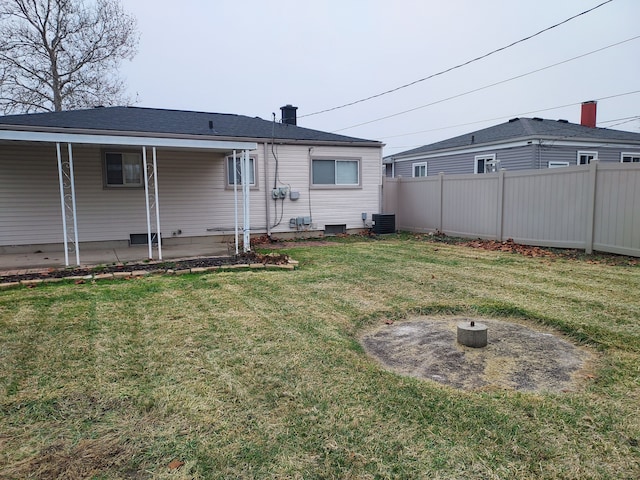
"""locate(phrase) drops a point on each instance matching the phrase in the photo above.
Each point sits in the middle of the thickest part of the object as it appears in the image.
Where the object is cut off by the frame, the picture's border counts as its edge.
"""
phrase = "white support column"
(63, 207)
(157, 202)
(68, 203)
(73, 204)
(235, 195)
(146, 199)
(246, 191)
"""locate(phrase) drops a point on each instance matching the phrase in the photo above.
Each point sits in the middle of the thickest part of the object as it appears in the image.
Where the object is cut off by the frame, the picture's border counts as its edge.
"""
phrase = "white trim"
(629, 154)
(488, 158)
(586, 153)
(418, 164)
(556, 164)
(125, 140)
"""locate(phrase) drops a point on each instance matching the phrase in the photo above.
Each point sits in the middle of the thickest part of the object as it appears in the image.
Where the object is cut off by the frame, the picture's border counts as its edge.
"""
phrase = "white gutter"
(93, 139)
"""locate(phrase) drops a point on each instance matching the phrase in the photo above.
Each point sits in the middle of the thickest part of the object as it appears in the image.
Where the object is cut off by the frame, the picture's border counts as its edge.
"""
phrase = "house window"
(630, 157)
(556, 164)
(335, 172)
(585, 158)
(420, 169)
(123, 169)
(238, 177)
(486, 164)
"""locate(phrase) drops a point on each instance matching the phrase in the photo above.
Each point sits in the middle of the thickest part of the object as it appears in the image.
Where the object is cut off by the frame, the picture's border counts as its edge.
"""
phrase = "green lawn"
(259, 374)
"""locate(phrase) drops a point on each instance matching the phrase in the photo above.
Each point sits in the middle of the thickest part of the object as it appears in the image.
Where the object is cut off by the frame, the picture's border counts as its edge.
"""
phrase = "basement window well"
(330, 230)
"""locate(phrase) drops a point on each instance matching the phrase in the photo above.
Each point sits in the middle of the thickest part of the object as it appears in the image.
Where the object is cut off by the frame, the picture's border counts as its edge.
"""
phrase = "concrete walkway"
(20, 263)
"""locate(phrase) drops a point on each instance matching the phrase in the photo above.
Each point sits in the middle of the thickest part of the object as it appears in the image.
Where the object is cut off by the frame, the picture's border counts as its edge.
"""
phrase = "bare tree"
(63, 54)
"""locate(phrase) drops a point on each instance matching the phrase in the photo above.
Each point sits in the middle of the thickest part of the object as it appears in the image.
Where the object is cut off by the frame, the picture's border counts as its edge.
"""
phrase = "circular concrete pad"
(517, 357)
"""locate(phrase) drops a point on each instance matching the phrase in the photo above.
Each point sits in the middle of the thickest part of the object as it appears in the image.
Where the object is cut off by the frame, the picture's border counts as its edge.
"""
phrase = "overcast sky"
(251, 57)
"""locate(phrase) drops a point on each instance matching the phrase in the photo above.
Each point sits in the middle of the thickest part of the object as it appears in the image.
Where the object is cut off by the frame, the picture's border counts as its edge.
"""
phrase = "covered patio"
(71, 251)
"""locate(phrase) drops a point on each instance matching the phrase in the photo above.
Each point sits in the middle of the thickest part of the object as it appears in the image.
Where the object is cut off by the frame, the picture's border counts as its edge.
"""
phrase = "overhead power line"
(456, 66)
(487, 86)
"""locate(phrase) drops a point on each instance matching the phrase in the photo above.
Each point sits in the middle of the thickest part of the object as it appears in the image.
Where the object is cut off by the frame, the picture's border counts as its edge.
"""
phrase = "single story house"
(519, 144)
(125, 175)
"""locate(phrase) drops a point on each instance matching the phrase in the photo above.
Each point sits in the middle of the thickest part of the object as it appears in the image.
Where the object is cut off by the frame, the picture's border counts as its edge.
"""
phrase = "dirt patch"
(517, 357)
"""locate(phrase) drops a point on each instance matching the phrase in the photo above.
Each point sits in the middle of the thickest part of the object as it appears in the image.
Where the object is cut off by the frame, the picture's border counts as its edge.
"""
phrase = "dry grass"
(260, 375)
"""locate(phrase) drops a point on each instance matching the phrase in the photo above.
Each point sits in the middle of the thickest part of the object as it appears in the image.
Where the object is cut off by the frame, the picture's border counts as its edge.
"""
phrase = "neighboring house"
(118, 175)
(519, 144)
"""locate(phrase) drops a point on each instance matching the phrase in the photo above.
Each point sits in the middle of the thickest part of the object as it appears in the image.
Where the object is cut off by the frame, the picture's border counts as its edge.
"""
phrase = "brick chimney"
(289, 114)
(588, 118)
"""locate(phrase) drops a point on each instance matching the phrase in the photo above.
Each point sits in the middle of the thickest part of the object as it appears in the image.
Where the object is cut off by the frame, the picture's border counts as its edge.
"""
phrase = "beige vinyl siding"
(329, 206)
(193, 195)
(29, 212)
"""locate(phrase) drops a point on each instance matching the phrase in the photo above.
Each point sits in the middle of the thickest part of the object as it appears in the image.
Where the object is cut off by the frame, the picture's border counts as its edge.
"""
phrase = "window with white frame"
(585, 158)
(335, 172)
(486, 163)
(630, 157)
(557, 164)
(123, 169)
(238, 176)
(420, 169)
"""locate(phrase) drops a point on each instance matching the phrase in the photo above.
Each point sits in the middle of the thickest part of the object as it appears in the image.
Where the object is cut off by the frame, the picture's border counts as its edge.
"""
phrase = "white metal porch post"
(146, 199)
(157, 204)
(246, 190)
(235, 196)
(151, 199)
(66, 178)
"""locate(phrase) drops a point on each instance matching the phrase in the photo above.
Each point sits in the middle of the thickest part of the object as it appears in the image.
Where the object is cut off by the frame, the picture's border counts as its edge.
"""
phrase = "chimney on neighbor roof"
(588, 118)
(289, 114)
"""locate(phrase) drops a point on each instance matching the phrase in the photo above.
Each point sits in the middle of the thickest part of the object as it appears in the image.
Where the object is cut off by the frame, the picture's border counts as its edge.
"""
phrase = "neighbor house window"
(585, 158)
(335, 172)
(123, 169)
(238, 177)
(630, 157)
(485, 164)
(556, 164)
(420, 169)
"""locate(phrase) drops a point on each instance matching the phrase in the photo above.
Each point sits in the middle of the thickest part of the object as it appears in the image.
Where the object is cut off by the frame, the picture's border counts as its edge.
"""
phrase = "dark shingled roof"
(521, 128)
(172, 122)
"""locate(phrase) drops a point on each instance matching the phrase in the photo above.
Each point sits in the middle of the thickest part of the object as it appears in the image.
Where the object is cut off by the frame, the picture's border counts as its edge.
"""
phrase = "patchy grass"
(258, 374)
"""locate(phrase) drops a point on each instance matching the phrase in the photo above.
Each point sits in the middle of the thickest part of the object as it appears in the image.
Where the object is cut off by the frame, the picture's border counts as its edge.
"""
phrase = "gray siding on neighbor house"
(527, 157)
(516, 158)
(570, 154)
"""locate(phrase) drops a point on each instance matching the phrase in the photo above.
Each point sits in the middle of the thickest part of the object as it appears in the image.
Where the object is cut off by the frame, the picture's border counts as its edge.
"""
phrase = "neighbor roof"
(171, 122)
(522, 128)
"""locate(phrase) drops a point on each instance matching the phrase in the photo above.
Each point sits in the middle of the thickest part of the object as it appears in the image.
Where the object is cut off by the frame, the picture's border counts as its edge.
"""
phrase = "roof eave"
(176, 136)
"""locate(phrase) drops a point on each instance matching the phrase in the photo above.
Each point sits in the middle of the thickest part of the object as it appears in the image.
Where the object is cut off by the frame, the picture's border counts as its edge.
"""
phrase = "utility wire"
(456, 66)
(519, 115)
(488, 86)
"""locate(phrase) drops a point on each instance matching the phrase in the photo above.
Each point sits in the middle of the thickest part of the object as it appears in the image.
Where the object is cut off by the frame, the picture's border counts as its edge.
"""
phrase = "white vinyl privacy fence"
(594, 207)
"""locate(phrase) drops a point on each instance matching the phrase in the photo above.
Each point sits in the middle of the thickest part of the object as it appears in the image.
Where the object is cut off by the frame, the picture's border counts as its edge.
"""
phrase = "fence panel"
(547, 207)
(595, 207)
(617, 209)
(469, 205)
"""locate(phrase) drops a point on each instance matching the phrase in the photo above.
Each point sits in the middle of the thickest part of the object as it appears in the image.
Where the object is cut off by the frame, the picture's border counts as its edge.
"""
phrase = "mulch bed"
(182, 264)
